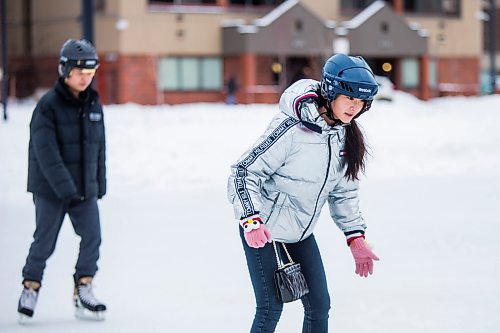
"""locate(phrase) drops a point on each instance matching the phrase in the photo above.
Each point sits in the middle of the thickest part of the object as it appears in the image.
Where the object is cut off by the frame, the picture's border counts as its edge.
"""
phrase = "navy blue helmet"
(78, 53)
(350, 76)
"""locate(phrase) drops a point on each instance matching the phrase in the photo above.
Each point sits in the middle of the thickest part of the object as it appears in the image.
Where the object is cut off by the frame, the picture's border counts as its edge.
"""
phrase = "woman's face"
(345, 108)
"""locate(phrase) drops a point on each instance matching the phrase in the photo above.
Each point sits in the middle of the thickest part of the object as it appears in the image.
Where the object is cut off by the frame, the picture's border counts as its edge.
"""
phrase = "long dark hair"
(355, 147)
(356, 150)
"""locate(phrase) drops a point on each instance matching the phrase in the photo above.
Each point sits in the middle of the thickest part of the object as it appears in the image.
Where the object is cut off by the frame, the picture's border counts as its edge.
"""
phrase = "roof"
(378, 31)
(289, 29)
(269, 18)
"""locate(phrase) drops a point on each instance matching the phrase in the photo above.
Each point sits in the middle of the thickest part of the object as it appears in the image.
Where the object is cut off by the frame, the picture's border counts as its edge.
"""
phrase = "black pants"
(49, 217)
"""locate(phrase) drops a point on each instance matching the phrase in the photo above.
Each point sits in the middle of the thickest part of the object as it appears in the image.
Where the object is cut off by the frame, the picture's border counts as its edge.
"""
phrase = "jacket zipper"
(322, 187)
(83, 147)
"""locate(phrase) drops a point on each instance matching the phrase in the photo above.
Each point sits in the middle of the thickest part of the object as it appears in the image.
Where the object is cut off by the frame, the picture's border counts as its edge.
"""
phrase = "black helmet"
(350, 76)
(78, 53)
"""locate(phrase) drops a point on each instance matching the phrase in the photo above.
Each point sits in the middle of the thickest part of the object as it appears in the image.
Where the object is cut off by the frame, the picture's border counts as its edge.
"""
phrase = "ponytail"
(355, 151)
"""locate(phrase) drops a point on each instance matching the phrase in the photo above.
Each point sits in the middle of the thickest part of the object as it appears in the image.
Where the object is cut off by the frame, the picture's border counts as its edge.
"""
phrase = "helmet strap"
(323, 101)
(329, 111)
(366, 107)
(329, 114)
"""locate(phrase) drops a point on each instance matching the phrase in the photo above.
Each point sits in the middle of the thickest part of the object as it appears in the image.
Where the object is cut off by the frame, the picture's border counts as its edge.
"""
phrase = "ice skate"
(27, 301)
(87, 306)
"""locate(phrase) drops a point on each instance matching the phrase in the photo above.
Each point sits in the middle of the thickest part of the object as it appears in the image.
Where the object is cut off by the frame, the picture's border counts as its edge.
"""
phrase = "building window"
(184, 2)
(384, 27)
(424, 7)
(433, 7)
(433, 83)
(190, 73)
(352, 7)
(256, 2)
(159, 5)
(211, 78)
(410, 73)
(298, 25)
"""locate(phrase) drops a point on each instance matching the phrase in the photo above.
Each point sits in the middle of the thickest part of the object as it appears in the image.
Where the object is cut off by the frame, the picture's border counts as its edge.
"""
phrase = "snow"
(171, 258)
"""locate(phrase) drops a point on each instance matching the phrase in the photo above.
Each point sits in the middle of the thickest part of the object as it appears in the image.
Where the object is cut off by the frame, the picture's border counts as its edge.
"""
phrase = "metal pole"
(492, 52)
(5, 76)
(88, 20)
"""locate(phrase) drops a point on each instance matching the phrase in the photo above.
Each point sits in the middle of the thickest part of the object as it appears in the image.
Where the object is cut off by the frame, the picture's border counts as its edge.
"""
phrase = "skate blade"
(24, 319)
(85, 314)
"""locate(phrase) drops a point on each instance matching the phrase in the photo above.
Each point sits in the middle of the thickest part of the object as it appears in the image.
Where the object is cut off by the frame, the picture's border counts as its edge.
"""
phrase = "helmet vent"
(345, 87)
(77, 53)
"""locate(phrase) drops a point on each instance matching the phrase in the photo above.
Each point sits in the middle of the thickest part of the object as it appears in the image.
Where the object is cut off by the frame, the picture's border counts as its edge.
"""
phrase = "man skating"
(67, 175)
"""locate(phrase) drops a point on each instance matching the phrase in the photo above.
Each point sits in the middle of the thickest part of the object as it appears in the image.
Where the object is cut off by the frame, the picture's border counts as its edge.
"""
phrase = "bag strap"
(278, 257)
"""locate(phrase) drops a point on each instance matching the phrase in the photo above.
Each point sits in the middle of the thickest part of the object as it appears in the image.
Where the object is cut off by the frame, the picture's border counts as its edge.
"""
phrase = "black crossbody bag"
(290, 282)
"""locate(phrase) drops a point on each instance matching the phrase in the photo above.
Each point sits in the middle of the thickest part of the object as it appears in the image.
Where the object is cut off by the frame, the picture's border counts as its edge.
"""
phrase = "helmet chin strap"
(323, 101)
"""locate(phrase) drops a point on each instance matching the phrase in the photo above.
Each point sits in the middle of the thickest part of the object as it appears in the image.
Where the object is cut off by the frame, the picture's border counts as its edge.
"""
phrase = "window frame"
(415, 78)
(181, 66)
(354, 7)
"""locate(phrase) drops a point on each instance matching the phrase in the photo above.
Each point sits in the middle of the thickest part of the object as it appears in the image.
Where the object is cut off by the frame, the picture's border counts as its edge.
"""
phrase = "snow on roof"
(423, 33)
(416, 27)
(275, 13)
(248, 29)
(330, 24)
(232, 23)
(361, 18)
(240, 26)
(268, 19)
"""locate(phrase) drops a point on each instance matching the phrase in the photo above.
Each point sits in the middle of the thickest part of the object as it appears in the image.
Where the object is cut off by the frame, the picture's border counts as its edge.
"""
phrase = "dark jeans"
(262, 264)
(49, 217)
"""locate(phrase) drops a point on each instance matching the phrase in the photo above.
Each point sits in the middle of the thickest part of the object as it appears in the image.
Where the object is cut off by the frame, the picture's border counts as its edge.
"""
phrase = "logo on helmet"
(365, 90)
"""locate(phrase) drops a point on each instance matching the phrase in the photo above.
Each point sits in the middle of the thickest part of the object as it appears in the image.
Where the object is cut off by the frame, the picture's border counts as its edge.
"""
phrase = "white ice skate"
(27, 301)
(87, 307)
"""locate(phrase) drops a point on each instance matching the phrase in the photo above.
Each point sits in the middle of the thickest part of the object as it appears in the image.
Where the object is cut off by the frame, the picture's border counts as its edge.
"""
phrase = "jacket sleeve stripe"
(253, 155)
(300, 99)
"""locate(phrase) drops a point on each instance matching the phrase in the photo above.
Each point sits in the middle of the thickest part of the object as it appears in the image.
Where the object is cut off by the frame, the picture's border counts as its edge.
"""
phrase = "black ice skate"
(87, 306)
(27, 301)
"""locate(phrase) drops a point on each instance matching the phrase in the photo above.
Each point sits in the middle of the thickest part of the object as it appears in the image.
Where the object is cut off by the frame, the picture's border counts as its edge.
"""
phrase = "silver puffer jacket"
(293, 169)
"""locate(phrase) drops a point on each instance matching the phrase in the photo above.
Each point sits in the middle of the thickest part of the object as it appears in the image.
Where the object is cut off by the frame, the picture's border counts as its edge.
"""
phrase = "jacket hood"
(300, 101)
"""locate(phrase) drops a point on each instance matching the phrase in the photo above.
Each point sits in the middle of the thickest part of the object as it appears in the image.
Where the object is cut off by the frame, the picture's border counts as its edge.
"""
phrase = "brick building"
(178, 51)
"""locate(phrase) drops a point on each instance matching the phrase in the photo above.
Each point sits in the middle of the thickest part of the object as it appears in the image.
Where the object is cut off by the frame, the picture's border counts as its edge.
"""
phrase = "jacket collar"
(84, 97)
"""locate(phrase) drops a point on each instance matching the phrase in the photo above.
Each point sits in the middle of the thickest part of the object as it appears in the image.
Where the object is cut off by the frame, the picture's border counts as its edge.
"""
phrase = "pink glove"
(363, 256)
(257, 234)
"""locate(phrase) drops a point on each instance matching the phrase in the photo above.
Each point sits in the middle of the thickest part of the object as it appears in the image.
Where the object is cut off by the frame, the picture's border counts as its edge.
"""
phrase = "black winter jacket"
(67, 150)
